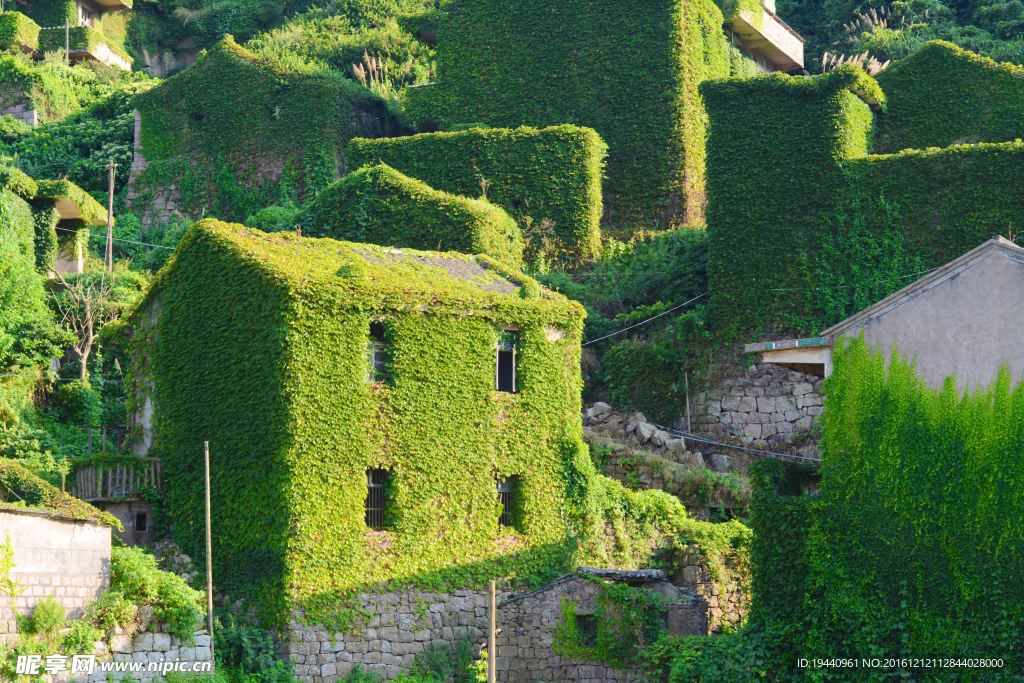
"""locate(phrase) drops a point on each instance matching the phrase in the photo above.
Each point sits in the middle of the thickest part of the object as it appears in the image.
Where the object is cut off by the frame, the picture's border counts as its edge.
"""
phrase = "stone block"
(748, 404)
(801, 388)
(793, 415)
(803, 424)
(768, 430)
(752, 430)
(814, 410)
(785, 403)
(778, 417)
(731, 403)
(755, 391)
(144, 642)
(765, 404)
(713, 407)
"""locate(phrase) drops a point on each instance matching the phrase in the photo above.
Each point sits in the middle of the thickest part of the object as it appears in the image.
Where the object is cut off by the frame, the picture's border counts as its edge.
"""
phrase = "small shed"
(528, 622)
(966, 317)
(57, 556)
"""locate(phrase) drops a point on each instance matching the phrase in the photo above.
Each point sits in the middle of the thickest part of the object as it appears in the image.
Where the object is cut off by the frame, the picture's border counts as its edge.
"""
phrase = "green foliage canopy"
(379, 205)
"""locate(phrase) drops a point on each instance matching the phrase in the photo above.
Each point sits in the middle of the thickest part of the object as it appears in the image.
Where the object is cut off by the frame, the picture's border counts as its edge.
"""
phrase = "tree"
(88, 301)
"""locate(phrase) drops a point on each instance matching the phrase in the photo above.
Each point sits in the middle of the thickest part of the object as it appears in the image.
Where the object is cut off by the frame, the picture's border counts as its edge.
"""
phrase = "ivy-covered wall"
(943, 202)
(548, 179)
(29, 336)
(811, 228)
(630, 75)
(379, 205)
(943, 95)
(911, 550)
(236, 133)
(775, 148)
(261, 348)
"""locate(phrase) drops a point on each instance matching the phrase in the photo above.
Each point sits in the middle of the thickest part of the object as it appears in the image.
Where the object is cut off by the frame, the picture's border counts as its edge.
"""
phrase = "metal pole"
(686, 378)
(110, 216)
(492, 650)
(67, 42)
(209, 552)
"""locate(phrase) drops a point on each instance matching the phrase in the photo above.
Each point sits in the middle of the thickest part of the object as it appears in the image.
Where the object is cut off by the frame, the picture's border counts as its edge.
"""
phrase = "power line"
(145, 244)
(645, 321)
(691, 437)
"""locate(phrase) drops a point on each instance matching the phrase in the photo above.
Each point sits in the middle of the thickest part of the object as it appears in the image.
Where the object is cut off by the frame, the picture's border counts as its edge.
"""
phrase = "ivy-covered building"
(813, 227)
(373, 414)
(630, 72)
(234, 133)
(89, 29)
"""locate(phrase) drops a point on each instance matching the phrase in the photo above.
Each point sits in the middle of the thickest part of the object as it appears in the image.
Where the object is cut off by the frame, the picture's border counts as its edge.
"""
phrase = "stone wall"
(766, 405)
(150, 650)
(397, 626)
(728, 601)
(15, 103)
(528, 623)
(66, 558)
(156, 205)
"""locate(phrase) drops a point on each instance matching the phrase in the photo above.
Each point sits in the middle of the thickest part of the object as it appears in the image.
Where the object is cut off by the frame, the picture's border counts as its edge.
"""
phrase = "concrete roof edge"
(49, 513)
(936, 277)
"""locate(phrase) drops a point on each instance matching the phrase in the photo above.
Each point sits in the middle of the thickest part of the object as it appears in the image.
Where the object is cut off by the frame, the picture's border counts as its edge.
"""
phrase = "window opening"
(86, 17)
(377, 354)
(505, 364)
(507, 498)
(141, 521)
(587, 624)
(375, 498)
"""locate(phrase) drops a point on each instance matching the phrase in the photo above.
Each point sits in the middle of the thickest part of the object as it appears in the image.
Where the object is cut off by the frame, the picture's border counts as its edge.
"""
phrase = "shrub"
(136, 581)
(273, 218)
(46, 620)
(250, 650)
(78, 403)
(11, 128)
(379, 205)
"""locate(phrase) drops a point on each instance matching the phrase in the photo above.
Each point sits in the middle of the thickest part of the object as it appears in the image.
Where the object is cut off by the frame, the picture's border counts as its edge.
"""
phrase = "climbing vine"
(630, 75)
(379, 205)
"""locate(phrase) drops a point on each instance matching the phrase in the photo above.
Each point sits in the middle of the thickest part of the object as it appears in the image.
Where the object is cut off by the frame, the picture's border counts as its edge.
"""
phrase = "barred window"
(505, 364)
(377, 355)
(376, 498)
(507, 491)
(587, 624)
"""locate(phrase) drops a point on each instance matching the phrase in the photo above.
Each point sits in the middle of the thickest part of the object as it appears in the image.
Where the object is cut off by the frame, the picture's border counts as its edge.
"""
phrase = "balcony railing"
(118, 437)
(113, 481)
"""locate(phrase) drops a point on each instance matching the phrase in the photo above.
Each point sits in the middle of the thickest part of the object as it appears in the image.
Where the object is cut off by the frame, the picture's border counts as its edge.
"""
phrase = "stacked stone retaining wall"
(767, 404)
(15, 103)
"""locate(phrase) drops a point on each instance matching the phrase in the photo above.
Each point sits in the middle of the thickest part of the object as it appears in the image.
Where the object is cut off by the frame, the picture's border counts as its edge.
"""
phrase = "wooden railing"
(117, 435)
(108, 481)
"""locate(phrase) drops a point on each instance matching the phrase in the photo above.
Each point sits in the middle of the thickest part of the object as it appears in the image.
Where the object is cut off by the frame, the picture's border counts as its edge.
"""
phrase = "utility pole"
(67, 42)
(209, 552)
(110, 216)
(492, 649)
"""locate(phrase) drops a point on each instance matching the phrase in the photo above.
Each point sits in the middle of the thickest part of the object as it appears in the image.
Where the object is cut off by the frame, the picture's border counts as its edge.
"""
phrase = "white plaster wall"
(969, 324)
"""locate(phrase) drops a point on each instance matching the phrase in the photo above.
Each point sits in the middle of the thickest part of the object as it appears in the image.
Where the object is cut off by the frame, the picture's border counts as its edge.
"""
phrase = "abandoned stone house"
(430, 391)
(963, 318)
(529, 622)
(78, 25)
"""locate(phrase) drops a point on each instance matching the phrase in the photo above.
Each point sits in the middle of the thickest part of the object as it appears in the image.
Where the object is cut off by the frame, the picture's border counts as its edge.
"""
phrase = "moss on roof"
(90, 210)
(33, 493)
(365, 270)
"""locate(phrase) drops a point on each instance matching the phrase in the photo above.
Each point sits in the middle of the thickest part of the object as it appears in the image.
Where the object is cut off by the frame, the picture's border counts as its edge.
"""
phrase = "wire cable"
(593, 341)
(117, 239)
(691, 437)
